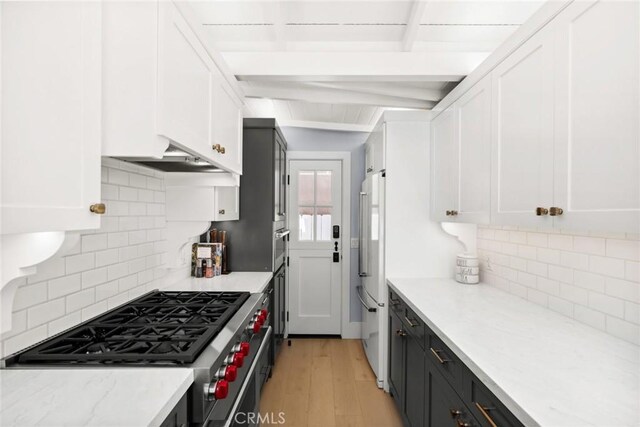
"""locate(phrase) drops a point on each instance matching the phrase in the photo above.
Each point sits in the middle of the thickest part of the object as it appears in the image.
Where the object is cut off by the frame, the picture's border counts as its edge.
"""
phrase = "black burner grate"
(159, 327)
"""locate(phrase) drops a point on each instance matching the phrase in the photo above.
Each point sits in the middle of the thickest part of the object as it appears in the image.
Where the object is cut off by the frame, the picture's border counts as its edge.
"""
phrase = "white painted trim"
(411, 31)
(345, 127)
(347, 329)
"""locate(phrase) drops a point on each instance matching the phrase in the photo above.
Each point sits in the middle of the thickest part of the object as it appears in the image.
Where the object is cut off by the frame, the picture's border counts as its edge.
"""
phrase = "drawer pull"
(485, 413)
(436, 353)
(461, 423)
(401, 333)
(410, 322)
(455, 413)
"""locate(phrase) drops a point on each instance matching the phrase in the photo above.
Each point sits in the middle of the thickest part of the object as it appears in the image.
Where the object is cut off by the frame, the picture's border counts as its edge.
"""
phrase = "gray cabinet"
(429, 383)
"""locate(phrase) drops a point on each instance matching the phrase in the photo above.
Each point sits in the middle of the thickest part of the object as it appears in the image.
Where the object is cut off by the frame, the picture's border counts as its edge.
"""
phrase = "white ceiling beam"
(413, 25)
(344, 127)
(279, 27)
(361, 66)
(327, 95)
(386, 89)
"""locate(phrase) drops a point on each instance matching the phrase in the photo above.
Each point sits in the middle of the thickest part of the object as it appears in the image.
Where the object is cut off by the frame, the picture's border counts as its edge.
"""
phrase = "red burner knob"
(264, 312)
(256, 327)
(237, 359)
(218, 390)
(230, 373)
(244, 348)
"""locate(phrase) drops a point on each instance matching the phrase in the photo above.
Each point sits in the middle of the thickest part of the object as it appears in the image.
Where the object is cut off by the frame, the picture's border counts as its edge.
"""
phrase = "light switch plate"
(355, 243)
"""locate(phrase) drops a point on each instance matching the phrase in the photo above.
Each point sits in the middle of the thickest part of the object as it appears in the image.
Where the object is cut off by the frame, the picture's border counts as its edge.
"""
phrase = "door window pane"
(323, 223)
(305, 221)
(306, 186)
(323, 188)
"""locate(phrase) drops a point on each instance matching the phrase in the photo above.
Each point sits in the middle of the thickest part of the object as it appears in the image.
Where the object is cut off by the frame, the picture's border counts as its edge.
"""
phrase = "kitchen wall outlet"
(355, 243)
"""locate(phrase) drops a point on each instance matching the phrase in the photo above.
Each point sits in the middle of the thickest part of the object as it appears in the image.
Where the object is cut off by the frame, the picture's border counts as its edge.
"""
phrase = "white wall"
(108, 267)
(591, 277)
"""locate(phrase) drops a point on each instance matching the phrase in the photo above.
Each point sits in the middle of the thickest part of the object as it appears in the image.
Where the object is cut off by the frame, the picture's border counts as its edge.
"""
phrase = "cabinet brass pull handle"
(221, 211)
(410, 322)
(541, 211)
(455, 413)
(485, 413)
(436, 353)
(98, 208)
(555, 211)
(401, 333)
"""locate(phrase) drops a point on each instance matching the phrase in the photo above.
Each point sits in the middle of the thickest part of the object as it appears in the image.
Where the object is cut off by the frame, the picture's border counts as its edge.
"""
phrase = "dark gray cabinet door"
(444, 406)
(396, 361)
(414, 382)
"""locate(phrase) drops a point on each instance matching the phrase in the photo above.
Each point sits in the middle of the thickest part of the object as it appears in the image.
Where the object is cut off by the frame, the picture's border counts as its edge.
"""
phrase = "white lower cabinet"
(51, 116)
(460, 148)
(597, 116)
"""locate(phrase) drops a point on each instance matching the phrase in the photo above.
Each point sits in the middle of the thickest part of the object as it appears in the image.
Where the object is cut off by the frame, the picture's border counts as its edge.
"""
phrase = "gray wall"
(303, 139)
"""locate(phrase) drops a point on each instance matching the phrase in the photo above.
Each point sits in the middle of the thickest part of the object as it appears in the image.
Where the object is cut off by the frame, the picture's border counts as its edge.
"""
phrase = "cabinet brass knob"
(221, 211)
(461, 423)
(541, 211)
(98, 208)
(455, 413)
(222, 150)
(454, 213)
(401, 333)
(448, 213)
(555, 211)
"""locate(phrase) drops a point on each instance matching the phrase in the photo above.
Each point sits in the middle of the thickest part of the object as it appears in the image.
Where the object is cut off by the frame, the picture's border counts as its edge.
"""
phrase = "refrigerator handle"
(362, 251)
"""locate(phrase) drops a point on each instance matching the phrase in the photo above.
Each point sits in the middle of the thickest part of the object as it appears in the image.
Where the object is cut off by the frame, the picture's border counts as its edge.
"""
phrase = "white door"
(51, 116)
(597, 130)
(315, 280)
(474, 150)
(522, 134)
(444, 168)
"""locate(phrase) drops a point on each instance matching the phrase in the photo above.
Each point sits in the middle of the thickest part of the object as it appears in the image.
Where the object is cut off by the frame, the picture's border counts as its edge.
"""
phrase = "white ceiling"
(339, 63)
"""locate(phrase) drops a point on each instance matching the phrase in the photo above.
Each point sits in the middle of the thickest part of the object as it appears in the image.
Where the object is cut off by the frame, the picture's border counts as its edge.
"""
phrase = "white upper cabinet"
(227, 203)
(444, 168)
(522, 134)
(460, 158)
(226, 125)
(185, 79)
(375, 150)
(161, 85)
(51, 116)
(597, 117)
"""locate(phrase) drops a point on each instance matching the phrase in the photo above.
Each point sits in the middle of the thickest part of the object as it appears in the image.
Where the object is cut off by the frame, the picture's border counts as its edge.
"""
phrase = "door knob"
(555, 211)
(541, 211)
(98, 208)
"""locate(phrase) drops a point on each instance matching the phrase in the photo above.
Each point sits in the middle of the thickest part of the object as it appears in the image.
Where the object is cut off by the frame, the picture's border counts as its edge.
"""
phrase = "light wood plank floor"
(326, 382)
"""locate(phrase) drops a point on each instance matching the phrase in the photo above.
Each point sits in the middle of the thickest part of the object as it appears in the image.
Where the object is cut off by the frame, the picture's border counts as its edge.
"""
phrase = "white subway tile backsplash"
(607, 266)
(591, 277)
(45, 312)
(105, 269)
(64, 286)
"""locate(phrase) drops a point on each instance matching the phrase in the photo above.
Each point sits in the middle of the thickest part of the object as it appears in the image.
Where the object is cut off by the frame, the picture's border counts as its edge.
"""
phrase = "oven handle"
(281, 233)
(243, 390)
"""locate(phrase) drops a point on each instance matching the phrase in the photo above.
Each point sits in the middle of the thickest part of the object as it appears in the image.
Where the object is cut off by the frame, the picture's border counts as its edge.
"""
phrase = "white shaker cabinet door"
(184, 83)
(51, 100)
(597, 135)
(474, 147)
(444, 166)
(522, 134)
(226, 122)
(227, 203)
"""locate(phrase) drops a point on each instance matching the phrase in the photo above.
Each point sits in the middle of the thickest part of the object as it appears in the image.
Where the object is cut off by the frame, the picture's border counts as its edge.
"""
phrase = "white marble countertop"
(549, 370)
(90, 397)
(245, 281)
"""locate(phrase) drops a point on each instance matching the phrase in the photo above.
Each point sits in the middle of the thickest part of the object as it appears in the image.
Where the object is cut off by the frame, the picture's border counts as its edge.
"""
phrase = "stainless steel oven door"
(246, 407)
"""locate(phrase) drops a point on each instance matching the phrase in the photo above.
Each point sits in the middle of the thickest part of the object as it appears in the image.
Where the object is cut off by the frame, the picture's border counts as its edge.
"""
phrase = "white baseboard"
(352, 330)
